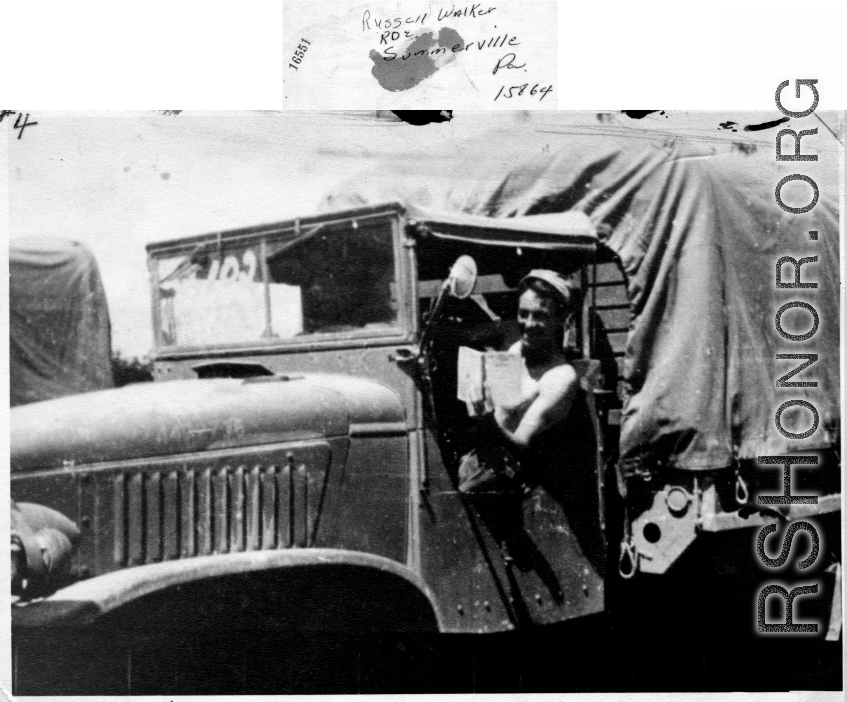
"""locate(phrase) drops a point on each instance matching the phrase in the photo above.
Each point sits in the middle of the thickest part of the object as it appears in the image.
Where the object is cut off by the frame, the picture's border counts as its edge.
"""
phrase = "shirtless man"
(549, 388)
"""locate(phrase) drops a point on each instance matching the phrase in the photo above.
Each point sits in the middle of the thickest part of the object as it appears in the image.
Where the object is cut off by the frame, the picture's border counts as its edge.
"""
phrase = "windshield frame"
(400, 332)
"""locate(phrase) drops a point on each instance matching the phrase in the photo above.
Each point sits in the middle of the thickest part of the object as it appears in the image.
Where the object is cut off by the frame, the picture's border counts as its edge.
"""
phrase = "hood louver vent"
(184, 511)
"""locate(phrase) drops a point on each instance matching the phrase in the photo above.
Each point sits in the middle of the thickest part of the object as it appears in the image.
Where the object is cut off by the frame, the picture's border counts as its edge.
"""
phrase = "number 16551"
(300, 53)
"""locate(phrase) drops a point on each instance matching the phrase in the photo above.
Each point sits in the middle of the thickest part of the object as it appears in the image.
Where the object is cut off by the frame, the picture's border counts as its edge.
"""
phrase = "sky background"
(117, 181)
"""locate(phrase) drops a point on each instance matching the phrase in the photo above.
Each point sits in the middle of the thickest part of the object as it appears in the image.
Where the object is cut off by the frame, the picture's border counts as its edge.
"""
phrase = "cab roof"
(560, 231)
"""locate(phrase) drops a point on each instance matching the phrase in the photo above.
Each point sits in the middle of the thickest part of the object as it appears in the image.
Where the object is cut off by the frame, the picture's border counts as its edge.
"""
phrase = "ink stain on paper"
(639, 114)
(415, 61)
(765, 125)
(746, 149)
(420, 117)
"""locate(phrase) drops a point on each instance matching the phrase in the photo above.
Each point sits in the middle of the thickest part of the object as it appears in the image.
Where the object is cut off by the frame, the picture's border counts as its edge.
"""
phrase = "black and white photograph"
(430, 402)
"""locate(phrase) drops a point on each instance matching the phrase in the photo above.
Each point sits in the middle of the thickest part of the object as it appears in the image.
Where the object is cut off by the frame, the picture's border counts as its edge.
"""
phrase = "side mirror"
(459, 284)
(462, 278)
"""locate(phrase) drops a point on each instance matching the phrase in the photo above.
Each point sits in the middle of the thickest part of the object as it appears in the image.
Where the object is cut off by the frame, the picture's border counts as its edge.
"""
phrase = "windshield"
(338, 279)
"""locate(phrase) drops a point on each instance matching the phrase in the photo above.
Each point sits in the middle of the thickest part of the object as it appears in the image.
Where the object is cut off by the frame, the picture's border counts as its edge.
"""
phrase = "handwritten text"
(18, 125)
(536, 89)
(474, 10)
(492, 43)
(300, 54)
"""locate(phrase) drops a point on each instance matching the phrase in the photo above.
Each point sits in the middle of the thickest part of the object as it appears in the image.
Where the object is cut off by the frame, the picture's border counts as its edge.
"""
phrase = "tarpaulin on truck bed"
(59, 323)
(699, 233)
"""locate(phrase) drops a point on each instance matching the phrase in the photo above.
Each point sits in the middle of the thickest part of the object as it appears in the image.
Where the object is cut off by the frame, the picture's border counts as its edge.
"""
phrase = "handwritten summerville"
(434, 51)
(491, 43)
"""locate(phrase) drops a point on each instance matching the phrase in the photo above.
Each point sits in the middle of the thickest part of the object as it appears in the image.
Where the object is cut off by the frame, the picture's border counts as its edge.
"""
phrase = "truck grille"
(221, 508)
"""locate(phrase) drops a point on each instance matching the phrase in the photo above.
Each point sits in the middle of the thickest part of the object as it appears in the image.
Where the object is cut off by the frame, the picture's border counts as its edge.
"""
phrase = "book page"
(470, 373)
(503, 373)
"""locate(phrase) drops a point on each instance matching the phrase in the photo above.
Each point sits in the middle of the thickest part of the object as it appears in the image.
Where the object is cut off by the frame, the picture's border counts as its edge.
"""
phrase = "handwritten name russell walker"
(474, 10)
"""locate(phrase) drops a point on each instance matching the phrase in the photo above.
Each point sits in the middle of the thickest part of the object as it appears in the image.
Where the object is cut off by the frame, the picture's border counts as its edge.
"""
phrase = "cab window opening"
(275, 289)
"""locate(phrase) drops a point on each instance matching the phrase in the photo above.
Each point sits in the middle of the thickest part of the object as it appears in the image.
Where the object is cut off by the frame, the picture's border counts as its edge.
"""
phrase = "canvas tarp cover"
(59, 323)
(699, 232)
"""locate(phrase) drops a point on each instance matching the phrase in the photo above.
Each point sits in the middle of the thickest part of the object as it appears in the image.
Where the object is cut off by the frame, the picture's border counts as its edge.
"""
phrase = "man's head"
(545, 305)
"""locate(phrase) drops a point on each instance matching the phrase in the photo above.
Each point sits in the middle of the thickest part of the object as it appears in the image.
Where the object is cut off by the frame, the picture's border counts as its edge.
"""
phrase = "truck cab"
(303, 439)
(304, 429)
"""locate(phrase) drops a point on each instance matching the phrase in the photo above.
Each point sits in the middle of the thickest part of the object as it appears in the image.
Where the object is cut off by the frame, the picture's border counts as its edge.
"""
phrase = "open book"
(501, 371)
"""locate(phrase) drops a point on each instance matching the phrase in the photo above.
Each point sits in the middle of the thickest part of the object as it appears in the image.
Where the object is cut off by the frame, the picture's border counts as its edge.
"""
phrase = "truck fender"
(310, 590)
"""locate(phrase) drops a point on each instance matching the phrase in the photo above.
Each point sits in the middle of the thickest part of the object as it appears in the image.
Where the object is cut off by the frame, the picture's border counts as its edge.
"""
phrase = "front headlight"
(42, 545)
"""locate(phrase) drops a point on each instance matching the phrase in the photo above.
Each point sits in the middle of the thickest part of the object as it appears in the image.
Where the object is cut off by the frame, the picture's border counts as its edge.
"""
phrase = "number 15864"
(519, 90)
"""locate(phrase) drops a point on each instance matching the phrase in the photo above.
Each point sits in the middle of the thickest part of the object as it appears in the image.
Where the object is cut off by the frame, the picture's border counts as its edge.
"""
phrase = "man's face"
(540, 330)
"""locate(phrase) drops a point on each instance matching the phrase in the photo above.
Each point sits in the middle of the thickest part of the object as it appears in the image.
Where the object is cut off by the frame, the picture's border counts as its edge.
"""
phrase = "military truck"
(294, 467)
(59, 336)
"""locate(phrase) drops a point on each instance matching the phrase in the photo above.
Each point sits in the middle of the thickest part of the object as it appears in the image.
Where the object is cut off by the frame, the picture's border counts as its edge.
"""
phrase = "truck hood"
(185, 416)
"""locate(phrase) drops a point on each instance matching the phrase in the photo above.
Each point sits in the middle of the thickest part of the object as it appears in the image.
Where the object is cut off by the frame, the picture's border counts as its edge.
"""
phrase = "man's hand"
(479, 401)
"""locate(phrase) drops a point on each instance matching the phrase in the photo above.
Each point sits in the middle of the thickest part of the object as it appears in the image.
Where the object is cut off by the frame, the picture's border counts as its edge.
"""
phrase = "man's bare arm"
(556, 393)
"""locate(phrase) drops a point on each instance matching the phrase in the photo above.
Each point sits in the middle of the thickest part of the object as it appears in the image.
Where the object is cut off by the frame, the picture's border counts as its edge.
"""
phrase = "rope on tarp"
(629, 553)
(742, 492)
